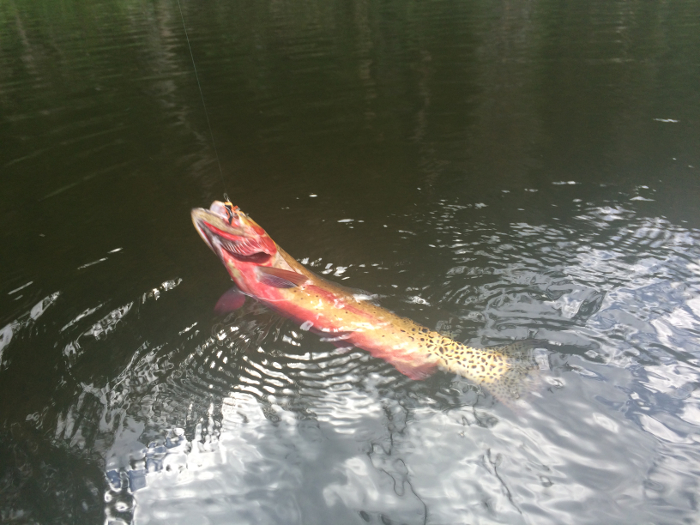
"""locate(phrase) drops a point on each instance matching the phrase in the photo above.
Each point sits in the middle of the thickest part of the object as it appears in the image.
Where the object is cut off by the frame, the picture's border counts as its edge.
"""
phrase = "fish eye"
(229, 211)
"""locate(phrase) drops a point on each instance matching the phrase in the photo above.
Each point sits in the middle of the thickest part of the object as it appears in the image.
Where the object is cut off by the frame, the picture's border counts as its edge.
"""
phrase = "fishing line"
(201, 94)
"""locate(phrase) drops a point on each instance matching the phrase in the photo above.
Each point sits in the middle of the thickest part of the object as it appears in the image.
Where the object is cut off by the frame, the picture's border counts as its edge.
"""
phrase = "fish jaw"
(240, 243)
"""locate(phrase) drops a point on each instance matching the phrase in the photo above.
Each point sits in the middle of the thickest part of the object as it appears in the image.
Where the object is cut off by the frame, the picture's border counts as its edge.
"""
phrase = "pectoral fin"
(232, 300)
(279, 278)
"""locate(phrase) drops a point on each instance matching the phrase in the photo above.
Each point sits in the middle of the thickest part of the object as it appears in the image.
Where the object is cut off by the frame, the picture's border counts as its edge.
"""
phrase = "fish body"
(264, 271)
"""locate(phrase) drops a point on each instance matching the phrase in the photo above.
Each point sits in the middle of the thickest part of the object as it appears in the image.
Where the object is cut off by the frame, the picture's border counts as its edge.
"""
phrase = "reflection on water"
(497, 171)
(252, 420)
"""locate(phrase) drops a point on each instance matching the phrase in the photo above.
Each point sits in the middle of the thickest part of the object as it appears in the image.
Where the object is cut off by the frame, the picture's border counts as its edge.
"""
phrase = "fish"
(262, 270)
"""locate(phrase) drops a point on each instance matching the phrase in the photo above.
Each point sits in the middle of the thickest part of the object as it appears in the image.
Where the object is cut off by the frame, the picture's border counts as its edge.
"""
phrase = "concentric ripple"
(496, 171)
(257, 408)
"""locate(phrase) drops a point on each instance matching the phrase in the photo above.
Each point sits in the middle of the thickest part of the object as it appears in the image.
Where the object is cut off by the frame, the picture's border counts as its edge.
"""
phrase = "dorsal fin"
(280, 278)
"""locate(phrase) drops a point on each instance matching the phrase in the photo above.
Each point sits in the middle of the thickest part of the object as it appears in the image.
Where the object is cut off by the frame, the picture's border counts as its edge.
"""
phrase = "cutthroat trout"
(264, 271)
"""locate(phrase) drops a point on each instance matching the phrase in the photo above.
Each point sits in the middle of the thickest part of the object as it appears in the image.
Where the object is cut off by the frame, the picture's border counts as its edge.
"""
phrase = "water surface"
(500, 171)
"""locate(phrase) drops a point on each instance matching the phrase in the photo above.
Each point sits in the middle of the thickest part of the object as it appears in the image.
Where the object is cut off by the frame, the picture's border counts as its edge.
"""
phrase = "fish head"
(234, 237)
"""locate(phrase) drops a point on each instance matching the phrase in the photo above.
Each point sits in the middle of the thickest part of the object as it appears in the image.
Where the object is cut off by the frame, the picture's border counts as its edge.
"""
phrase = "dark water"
(512, 170)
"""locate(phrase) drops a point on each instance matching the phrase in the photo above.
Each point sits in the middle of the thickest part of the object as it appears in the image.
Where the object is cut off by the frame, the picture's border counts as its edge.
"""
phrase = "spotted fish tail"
(521, 373)
(507, 372)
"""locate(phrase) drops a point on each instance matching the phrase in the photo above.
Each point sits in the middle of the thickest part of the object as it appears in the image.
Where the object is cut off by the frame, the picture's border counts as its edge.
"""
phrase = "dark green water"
(512, 170)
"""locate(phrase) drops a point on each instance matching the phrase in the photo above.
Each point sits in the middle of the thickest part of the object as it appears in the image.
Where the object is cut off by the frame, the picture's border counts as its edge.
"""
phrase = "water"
(501, 171)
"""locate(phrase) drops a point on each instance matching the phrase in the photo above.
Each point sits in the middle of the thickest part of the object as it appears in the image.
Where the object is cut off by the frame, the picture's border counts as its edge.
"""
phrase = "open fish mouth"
(239, 247)
(226, 239)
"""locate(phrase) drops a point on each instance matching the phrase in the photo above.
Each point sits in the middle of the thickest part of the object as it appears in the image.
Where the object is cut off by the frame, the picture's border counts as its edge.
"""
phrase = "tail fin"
(520, 374)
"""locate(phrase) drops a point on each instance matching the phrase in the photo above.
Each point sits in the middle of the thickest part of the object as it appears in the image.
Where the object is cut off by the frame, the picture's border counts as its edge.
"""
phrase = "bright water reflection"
(254, 421)
(498, 171)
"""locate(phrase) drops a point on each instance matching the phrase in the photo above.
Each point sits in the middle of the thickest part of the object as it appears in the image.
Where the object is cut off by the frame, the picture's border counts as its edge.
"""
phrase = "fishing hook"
(230, 209)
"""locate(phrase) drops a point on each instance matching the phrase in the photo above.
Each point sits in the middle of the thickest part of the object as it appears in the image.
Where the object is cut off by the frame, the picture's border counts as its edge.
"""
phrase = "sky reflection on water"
(496, 171)
(610, 437)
